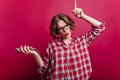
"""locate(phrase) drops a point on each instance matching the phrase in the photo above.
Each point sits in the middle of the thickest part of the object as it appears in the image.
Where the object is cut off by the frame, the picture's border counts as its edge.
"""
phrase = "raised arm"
(97, 26)
(78, 12)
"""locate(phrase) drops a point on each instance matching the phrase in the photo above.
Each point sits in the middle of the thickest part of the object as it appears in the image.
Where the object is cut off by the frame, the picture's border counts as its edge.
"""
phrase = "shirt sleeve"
(46, 61)
(94, 33)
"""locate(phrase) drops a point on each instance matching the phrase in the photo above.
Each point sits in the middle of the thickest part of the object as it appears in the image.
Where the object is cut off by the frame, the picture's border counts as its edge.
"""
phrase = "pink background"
(27, 22)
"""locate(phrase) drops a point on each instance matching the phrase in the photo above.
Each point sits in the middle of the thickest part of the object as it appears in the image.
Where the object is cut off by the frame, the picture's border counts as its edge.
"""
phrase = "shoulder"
(53, 42)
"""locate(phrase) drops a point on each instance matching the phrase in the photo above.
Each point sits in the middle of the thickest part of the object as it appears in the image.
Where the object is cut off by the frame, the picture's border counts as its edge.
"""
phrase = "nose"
(64, 29)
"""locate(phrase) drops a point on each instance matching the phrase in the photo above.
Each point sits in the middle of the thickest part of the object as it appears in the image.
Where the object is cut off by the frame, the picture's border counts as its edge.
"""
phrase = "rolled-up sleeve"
(94, 33)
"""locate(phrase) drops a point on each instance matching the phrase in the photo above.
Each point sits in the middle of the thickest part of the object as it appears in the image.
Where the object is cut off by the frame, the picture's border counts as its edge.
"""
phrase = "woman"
(67, 58)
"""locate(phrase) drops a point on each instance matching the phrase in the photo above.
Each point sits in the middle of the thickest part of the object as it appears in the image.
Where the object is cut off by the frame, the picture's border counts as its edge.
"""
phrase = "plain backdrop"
(27, 22)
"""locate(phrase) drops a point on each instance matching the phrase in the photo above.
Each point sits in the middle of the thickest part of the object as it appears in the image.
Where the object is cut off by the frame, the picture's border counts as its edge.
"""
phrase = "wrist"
(35, 53)
(83, 16)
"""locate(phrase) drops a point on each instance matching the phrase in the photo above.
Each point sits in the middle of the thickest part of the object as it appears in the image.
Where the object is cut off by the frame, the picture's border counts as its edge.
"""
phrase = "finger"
(75, 4)
(28, 48)
(78, 11)
(31, 48)
(25, 49)
(18, 49)
(75, 11)
(21, 48)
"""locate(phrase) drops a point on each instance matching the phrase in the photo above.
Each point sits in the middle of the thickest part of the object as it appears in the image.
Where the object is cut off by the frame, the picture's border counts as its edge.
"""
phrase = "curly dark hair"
(56, 18)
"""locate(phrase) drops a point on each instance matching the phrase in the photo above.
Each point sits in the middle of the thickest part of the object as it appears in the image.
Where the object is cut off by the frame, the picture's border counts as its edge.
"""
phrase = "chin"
(68, 36)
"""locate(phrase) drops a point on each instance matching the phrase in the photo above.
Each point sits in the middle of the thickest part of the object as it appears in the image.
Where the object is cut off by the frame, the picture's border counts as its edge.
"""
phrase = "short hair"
(56, 18)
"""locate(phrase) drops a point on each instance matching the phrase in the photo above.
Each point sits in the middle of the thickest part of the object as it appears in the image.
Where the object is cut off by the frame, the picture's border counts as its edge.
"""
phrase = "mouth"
(66, 34)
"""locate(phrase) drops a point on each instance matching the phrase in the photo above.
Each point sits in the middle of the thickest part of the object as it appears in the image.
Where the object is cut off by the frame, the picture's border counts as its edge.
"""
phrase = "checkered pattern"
(72, 62)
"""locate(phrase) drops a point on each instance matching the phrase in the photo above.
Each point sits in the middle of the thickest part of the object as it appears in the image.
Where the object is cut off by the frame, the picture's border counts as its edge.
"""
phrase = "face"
(63, 29)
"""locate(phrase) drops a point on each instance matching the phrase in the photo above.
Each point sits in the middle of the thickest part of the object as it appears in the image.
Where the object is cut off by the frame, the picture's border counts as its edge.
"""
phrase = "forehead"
(61, 23)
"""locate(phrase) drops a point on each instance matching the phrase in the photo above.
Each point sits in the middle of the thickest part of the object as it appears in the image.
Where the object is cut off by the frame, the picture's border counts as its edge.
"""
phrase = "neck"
(66, 40)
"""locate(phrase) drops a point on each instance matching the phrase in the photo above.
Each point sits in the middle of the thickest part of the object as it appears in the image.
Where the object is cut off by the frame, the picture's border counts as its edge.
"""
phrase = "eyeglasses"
(66, 27)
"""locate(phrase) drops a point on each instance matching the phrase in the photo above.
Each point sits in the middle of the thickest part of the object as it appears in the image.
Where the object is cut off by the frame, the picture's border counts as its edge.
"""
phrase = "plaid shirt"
(72, 62)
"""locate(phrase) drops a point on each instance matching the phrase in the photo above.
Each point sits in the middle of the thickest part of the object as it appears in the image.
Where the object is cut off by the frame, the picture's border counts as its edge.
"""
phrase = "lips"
(66, 34)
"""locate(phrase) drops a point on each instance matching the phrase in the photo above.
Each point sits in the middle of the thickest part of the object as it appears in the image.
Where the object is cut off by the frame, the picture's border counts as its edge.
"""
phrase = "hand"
(77, 11)
(27, 50)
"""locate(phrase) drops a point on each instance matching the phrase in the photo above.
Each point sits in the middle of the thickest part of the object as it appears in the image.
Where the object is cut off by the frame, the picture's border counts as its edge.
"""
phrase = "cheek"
(61, 33)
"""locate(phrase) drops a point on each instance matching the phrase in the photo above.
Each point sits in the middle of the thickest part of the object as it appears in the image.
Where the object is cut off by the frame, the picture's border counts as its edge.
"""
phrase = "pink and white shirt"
(63, 62)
